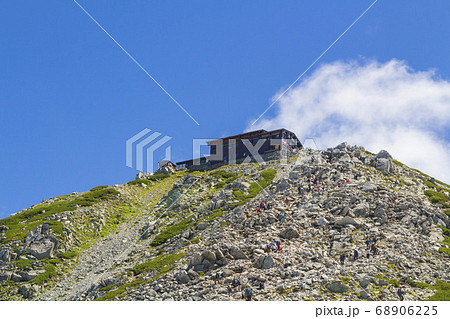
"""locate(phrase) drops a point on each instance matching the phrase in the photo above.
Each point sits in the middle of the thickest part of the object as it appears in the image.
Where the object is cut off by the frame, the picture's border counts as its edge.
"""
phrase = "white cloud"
(377, 105)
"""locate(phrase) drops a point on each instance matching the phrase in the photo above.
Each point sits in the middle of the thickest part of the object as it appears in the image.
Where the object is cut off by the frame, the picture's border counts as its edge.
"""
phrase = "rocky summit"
(339, 224)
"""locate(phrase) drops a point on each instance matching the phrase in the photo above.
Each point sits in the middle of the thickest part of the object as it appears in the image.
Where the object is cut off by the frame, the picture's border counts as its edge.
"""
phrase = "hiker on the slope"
(278, 243)
(401, 293)
(261, 285)
(248, 294)
(342, 258)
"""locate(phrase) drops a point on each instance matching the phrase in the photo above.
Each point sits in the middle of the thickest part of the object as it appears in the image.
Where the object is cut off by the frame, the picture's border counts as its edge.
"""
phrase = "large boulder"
(182, 277)
(364, 294)
(364, 282)
(380, 212)
(369, 187)
(209, 255)
(141, 175)
(436, 235)
(227, 272)
(5, 276)
(43, 248)
(40, 242)
(337, 287)
(343, 146)
(166, 170)
(383, 162)
(28, 291)
(237, 253)
(347, 220)
(219, 254)
(361, 210)
(283, 185)
(382, 282)
(289, 233)
(196, 259)
(202, 226)
(5, 255)
(265, 262)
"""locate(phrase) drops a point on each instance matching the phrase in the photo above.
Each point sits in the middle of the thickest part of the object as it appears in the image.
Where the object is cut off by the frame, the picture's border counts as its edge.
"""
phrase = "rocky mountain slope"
(186, 236)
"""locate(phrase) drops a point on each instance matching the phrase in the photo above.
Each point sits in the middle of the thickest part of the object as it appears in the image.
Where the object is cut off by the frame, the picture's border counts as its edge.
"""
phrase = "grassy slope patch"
(161, 263)
(157, 263)
(224, 177)
(442, 291)
(173, 230)
(50, 272)
(438, 198)
(255, 188)
(20, 224)
(122, 289)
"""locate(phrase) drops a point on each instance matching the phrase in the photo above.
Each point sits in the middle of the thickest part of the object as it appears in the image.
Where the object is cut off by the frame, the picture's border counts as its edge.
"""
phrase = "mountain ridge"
(168, 236)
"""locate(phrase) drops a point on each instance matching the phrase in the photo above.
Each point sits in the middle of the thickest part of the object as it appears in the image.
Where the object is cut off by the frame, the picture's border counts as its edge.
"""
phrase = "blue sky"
(70, 98)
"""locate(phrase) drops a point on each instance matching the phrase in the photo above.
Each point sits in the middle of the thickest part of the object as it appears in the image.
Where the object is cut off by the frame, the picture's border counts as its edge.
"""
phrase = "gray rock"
(3, 228)
(258, 251)
(183, 277)
(369, 187)
(16, 278)
(384, 154)
(289, 233)
(238, 185)
(347, 220)
(265, 262)
(219, 254)
(5, 255)
(344, 211)
(380, 212)
(364, 282)
(192, 273)
(209, 255)
(202, 226)
(202, 268)
(5, 276)
(43, 248)
(237, 253)
(41, 244)
(141, 175)
(343, 146)
(196, 259)
(337, 287)
(207, 263)
(283, 185)
(322, 222)
(28, 291)
(382, 282)
(361, 210)
(227, 272)
(45, 228)
(383, 162)
(364, 294)
(436, 235)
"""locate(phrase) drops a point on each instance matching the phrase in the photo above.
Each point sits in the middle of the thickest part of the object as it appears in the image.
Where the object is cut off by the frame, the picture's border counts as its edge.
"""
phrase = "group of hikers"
(371, 249)
(281, 217)
(262, 206)
(271, 246)
(313, 185)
